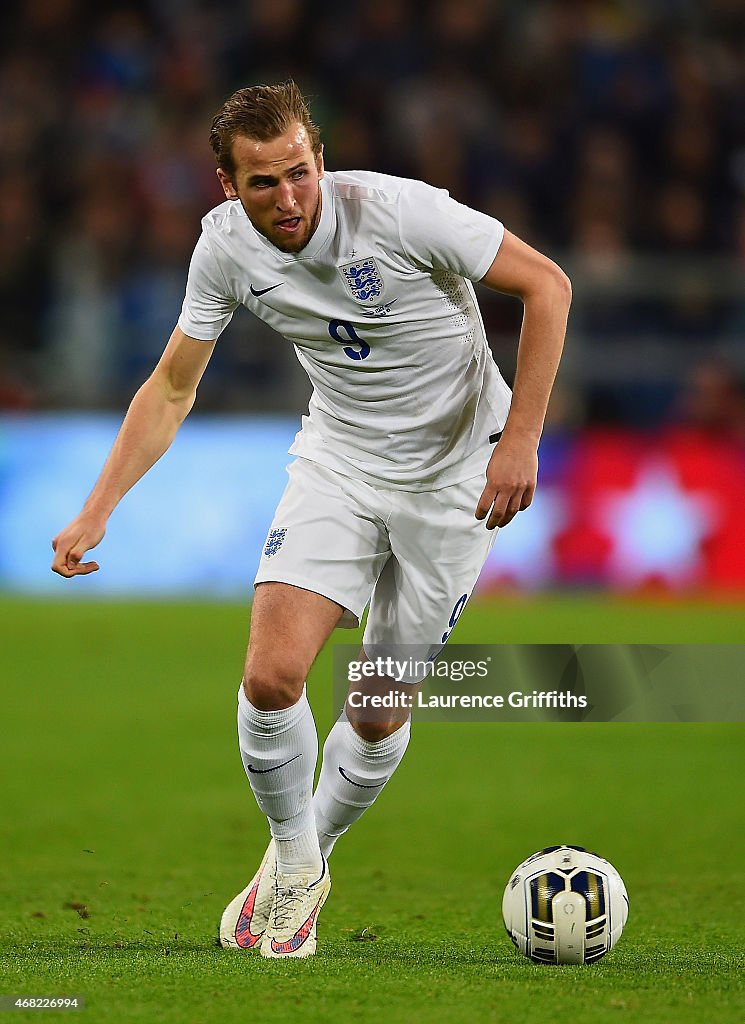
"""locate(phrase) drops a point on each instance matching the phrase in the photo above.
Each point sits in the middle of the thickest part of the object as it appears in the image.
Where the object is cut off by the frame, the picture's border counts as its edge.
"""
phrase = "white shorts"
(413, 555)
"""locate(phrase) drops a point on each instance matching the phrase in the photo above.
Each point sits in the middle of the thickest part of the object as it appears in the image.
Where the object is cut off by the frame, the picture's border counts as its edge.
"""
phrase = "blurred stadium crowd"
(610, 133)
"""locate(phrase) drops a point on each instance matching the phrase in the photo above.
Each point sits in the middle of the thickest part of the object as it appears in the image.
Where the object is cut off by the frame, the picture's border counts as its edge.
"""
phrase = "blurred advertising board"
(614, 510)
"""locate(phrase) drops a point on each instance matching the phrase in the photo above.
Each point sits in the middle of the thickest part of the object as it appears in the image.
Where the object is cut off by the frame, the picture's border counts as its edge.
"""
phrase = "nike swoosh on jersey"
(359, 784)
(262, 291)
(243, 934)
(263, 771)
(300, 935)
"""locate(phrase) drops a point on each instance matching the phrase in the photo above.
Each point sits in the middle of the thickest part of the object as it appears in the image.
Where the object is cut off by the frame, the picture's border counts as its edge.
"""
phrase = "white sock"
(279, 751)
(340, 799)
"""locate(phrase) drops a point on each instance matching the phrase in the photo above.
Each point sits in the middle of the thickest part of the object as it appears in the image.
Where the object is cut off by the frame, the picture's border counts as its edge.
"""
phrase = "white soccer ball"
(564, 905)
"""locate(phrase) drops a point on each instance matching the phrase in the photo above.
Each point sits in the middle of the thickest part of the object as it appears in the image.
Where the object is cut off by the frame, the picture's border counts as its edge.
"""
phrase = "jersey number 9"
(348, 339)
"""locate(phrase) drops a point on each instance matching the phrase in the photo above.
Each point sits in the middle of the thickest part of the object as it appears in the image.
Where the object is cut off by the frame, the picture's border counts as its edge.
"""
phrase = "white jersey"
(383, 316)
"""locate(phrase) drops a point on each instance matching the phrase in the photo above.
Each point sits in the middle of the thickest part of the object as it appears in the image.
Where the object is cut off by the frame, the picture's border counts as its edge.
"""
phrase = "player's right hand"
(70, 544)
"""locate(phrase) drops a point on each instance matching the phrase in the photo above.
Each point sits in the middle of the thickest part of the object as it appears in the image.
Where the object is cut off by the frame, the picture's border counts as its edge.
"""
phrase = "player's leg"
(323, 555)
(438, 550)
(276, 731)
(325, 549)
(279, 746)
(361, 753)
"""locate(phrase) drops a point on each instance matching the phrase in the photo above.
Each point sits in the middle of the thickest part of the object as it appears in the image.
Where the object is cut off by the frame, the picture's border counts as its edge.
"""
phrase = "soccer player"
(412, 454)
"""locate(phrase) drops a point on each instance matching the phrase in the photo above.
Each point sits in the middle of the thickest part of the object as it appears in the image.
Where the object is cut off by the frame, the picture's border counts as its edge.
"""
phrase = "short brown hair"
(261, 112)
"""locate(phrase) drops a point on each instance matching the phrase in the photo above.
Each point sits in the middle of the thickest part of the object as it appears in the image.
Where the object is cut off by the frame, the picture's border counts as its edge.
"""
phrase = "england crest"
(274, 541)
(363, 279)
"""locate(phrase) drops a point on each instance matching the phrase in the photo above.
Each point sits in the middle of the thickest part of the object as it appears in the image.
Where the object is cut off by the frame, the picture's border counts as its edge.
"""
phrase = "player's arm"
(157, 411)
(546, 294)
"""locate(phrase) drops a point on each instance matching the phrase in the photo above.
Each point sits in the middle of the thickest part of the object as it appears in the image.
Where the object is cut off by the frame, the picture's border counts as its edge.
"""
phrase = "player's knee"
(273, 686)
(375, 730)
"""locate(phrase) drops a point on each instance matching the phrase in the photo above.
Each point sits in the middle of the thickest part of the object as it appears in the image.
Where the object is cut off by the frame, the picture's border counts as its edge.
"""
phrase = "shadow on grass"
(73, 947)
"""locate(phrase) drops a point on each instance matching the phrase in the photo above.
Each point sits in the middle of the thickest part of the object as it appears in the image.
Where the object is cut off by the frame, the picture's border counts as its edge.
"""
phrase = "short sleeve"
(439, 233)
(207, 308)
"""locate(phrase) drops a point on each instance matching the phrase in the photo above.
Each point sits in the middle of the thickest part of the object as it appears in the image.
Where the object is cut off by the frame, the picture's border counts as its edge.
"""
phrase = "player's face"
(278, 184)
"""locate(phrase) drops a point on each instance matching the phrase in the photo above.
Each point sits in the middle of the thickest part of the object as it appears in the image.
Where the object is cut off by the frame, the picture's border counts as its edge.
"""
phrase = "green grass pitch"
(127, 824)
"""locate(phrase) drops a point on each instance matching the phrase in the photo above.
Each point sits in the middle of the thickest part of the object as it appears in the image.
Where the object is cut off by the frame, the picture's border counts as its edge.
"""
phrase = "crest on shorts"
(363, 279)
(274, 541)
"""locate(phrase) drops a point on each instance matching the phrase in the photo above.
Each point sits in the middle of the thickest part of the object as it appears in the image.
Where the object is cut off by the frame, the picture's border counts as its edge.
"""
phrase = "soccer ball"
(564, 905)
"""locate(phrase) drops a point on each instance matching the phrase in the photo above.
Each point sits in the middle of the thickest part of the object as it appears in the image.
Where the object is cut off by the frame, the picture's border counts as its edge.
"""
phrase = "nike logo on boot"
(300, 935)
(246, 938)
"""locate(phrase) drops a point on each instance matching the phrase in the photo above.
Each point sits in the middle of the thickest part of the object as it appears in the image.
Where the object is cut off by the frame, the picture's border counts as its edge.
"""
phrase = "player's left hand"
(511, 478)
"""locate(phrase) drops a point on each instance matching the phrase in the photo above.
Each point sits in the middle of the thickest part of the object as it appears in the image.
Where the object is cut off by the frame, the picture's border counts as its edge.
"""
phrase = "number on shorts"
(460, 604)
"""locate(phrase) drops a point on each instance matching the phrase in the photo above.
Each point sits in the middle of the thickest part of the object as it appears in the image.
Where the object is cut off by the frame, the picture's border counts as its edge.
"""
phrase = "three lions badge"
(363, 279)
(274, 541)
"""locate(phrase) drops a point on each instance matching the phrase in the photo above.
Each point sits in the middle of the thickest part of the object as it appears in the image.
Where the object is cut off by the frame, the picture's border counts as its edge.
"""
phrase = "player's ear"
(227, 184)
(319, 161)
